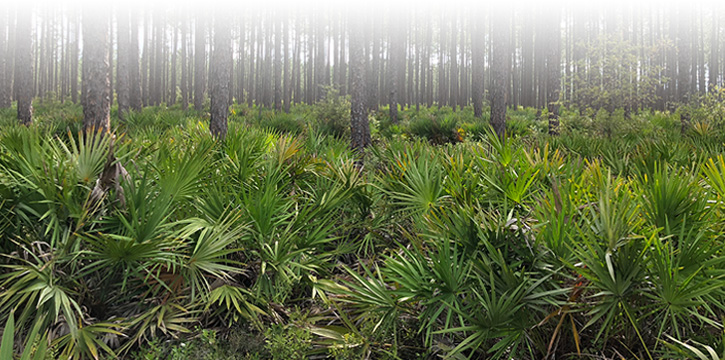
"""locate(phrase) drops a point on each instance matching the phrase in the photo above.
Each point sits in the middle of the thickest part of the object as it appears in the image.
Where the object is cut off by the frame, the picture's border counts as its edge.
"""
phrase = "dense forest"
(362, 181)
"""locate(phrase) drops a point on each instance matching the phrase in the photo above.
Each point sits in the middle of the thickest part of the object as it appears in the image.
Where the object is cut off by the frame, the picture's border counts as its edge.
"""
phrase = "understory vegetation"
(603, 242)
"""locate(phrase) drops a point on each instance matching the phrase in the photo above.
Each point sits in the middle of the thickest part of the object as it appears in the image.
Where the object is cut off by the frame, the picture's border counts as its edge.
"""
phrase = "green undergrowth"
(449, 242)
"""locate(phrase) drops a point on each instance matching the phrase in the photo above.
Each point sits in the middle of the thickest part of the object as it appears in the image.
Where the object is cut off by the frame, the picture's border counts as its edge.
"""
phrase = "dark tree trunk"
(4, 54)
(199, 62)
(500, 71)
(277, 62)
(396, 43)
(374, 76)
(136, 100)
(110, 56)
(74, 54)
(714, 49)
(122, 73)
(174, 51)
(442, 89)
(359, 128)
(287, 88)
(158, 64)
(453, 48)
(96, 83)
(184, 65)
(553, 68)
(146, 61)
(24, 64)
(220, 73)
(477, 62)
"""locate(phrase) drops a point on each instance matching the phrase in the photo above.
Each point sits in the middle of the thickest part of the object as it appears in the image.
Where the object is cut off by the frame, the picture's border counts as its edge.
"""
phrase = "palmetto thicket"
(522, 248)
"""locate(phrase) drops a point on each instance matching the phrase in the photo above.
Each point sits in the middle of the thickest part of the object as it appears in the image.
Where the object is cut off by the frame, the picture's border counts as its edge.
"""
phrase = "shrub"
(332, 114)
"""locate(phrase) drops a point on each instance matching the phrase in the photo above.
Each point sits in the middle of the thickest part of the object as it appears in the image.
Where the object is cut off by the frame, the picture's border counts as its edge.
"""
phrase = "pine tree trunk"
(24, 64)
(122, 73)
(500, 72)
(477, 62)
(135, 84)
(359, 128)
(277, 63)
(553, 69)
(220, 73)
(199, 62)
(184, 69)
(96, 82)
(713, 66)
(4, 53)
(393, 64)
(287, 88)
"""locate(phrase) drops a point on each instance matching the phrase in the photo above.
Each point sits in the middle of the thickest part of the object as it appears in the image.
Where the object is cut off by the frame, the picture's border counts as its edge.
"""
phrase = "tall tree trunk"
(713, 66)
(393, 67)
(184, 69)
(199, 62)
(174, 51)
(287, 88)
(500, 71)
(4, 54)
(135, 83)
(146, 61)
(96, 68)
(122, 73)
(277, 62)
(442, 89)
(683, 61)
(477, 62)
(220, 73)
(453, 48)
(74, 55)
(359, 128)
(24, 64)
(553, 68)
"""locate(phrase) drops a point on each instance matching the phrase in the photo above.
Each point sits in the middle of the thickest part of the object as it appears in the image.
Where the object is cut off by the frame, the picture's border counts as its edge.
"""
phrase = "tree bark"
(713, 66)
(184, 69)
(477, 47)
(500, 71)
(394, 67)
(220, 73)
(122, 73)
(96, 83)
(24, 64)
(135, 99)
(359, 128)
(199, 62)
(553, 68)
(278, 62)
(4, 53)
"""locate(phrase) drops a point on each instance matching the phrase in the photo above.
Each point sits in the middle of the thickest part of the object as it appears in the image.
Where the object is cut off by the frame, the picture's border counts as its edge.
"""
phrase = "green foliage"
(331, 115)
(606, 238)
(613, 76)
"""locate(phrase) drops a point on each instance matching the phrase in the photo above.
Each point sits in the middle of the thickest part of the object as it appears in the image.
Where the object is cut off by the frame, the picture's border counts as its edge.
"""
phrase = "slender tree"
(134, 76)
(122, 73)
(500, 71)
(24, 64)
(553, 67)
(96, 68)
(4, 53)
(714, 49)
(477, 46)
(199, 61)
(220, 73)
(359, 128)
(396, 43)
